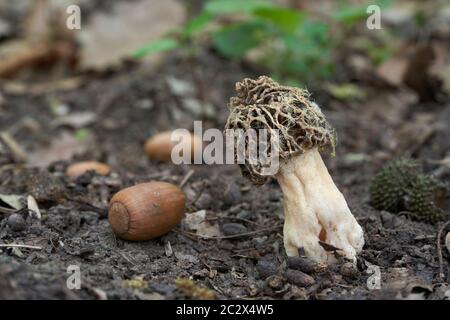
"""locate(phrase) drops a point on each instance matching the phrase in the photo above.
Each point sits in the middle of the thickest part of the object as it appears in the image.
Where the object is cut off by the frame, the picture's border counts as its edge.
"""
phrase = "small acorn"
(146, 211)
(159, 147)
(16, 222)
(77, 169)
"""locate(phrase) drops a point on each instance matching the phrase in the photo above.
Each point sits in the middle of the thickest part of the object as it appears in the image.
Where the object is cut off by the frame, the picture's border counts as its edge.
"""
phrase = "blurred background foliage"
(293, 45)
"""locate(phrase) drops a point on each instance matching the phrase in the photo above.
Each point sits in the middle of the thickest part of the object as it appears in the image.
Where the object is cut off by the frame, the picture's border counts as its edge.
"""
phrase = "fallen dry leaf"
(5, 28)
(390, 107)
(414, 133)
(18, 87)
(399, 14)
(36, 24)
(417, 75)
(393, 70)
(45, 39)
(109, 38)
(63, 147)
(441, 65)
(18, 55)
(168, 249)
(197, 222)
(76, 120)
(13, 200)
(33, 207)
(444, 162)
(18, 153)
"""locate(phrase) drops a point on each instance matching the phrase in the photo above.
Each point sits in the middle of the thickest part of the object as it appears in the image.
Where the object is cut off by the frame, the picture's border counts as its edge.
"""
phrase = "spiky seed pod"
(389, 188)
(424, 197)
(401, 186)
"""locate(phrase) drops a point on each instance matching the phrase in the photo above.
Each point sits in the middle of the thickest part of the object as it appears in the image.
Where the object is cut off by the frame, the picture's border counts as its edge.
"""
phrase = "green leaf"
(351, 14)
(17, 252)
(81, 134)
(197, 23)
(235, 40)
(354, 13)
(12, 200)
(316, 32)
(311, 39)
(165, 44)
(235, 6)
(286, 19)
(346, 91)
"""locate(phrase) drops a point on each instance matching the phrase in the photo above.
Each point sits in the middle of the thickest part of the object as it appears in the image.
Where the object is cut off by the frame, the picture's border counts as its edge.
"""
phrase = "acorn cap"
(264, 104)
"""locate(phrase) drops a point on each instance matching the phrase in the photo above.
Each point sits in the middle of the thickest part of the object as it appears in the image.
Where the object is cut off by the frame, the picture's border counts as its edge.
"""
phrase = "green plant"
(291, 45)
(351, 14)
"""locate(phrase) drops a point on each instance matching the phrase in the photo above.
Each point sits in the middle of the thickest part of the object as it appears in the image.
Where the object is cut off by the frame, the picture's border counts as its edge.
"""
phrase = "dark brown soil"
(133, 104)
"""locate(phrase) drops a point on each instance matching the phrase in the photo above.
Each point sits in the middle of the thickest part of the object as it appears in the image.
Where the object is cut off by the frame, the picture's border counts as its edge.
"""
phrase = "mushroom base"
(315, 210)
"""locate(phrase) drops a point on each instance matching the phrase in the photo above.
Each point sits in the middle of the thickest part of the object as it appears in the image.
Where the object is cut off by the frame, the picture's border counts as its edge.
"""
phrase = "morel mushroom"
(316, 212)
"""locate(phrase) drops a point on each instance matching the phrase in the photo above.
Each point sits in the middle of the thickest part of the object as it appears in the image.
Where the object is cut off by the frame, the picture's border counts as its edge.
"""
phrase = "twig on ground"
(7, 210)
(215, 287)
(245, 249)
(199, 194)
(244, 234)
(98, 293)
(128, 259)
(87, 206)
(15, 245)
(18, 153)
(439, 249)
(191, 236)
(234, 218)
(186, 178)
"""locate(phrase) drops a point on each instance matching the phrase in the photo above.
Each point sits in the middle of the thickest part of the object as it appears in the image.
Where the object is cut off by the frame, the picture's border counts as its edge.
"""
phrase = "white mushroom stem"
(315, 210)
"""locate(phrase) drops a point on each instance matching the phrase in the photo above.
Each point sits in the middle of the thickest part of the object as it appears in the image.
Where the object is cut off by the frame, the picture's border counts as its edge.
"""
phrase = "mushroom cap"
(264, 104)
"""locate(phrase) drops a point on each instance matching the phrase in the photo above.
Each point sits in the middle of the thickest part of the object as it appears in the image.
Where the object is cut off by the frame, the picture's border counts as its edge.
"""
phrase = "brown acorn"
(79, 168)
(159, 147)
(146, 211)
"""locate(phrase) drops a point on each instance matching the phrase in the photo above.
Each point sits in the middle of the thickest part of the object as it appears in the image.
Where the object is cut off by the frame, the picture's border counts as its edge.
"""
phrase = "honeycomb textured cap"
(264, 104)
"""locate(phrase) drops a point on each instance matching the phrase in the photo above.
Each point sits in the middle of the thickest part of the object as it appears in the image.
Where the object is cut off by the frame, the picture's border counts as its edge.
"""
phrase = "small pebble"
(162, 288)
(259, 240)
(204, 201)
(232, 195)
(348, 270)
(275, 282)
(266, 268)
(231, 229)
(275, 196)
(16, 222)
(299, 278)
(302, 264)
